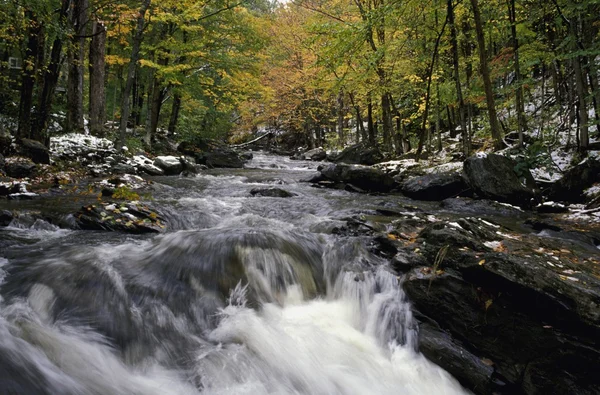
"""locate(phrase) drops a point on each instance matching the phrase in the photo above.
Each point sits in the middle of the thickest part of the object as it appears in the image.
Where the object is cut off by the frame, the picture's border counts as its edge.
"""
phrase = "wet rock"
(271, 192)
(551, 208)
(130, 217)
(2, 163)
(363, 177)
(314, 178)
(189, 166)
(519, 303)
(211, 153)
(6, 217)
(467, 368)
(571, 186)
(406, 259)
(5, 142)
(479, 207)
(169, 164)
(317, 154)
(20, 168)
(123, 168)
(361, 154)
(35, 150)
(494, 177)
(247, 156)
(433, 186)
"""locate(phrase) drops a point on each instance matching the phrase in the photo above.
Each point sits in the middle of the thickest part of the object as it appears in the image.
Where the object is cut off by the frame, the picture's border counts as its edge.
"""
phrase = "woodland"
(398, 74)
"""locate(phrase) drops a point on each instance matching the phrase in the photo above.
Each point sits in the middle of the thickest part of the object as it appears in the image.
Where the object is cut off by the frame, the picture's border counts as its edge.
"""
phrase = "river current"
(241, 295)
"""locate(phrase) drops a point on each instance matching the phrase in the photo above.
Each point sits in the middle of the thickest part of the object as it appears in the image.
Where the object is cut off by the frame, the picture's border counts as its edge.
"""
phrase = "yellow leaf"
(481, 262)
(488, 303)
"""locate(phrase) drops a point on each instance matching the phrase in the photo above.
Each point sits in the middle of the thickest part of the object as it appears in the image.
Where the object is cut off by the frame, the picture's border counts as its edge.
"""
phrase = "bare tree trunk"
(50, 80)
(79, 19)
(370, 123)
(97, 77)
(33, 57)
(466, 140)
(175, 108)
(521, 122)
(340, 117)
(485, 75)
(135, 52)
(386, 115)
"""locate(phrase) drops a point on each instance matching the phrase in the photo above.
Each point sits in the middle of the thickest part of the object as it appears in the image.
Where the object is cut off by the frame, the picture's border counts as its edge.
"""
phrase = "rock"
(314, 178)
(5, 143)
(443, 350)
(122, 168)
(271, 192)
(35, 150)
(317, 154)
(247, 156)
(20, 168)
(359, 154)
(2, 162)
(6, 217)
(151, 170)
(494, 177)
(479, 207)
(211, 153)
(363, 177)
(516, 302)
(169, 164)
(575, 180)
(130, 217)
(189, 166)
(438, 186)
(551, 208)
(406, 259)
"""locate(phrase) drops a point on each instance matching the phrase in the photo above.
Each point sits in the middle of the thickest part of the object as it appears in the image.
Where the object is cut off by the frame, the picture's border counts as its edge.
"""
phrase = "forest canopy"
(397, 74)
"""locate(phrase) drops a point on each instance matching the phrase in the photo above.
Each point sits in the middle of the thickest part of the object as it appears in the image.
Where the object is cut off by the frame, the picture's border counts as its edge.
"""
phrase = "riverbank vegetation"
(319, 72)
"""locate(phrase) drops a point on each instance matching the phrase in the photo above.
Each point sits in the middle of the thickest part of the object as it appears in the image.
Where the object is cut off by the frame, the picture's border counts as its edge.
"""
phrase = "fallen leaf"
(481, 262)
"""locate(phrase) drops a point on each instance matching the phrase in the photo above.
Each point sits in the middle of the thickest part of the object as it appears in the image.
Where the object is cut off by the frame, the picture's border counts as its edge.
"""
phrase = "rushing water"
(243, 295)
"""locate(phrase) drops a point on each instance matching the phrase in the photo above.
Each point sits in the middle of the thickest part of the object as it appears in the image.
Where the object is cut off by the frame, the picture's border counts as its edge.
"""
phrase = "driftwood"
(252, 141)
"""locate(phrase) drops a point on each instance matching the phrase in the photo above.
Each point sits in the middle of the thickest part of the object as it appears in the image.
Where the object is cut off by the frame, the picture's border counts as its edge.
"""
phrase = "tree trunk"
(50, 80)
(176, 107)
(520, 103)
(30, 66)
(485, 75)
(386, 115)
(466, 140)
(97, 77)
(340, 118)
(135, 52)
(74, 121)
(370, 123)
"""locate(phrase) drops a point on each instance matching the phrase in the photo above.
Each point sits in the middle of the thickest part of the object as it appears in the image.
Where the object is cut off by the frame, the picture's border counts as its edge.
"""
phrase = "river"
(241, 295)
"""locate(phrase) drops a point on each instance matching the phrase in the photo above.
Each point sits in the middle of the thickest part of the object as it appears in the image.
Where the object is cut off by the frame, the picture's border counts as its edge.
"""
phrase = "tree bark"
(97, 69)
(466, 138)
(520, 102)
(175, 108)
(50, 80)
(30, 66)
(370, 123)
(340, 117)
(76, 51)
(135, 52)
(485, 75)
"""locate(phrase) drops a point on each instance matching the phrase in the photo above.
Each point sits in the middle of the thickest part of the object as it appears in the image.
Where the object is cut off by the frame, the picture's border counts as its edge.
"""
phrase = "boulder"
(247, 156)
(438, 186)
(360, 154)
(35, 150)
(271, 192)
(5, 143)
(363, 177)
(132, 217)
(6, 217)
(150, 169)
(507, 312)
(211, 153)
(171, 165)
(189, 166)
(494, 177)
(20, 168)
(317, 154)
(575, 180)
(122, 168)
